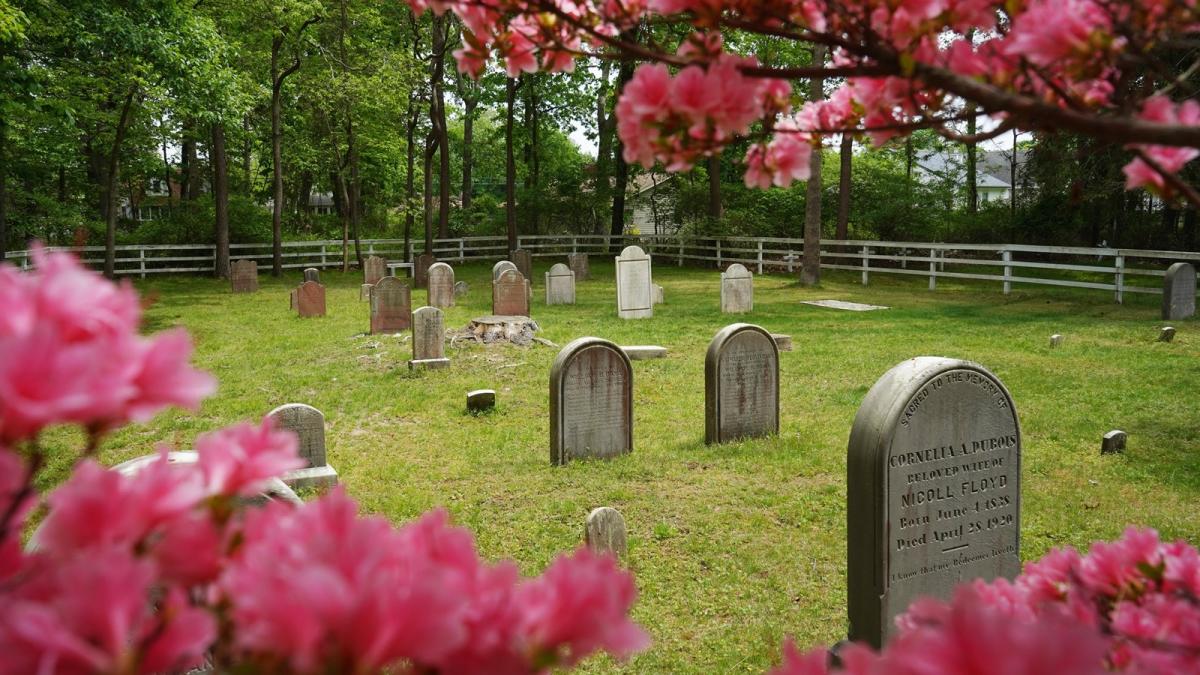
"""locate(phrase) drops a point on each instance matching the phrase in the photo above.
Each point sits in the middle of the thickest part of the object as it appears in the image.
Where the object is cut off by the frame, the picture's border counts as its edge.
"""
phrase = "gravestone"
(1056, 340)
(391, 306)
(737, 290)
(243, 276)
(510, 295)
(604, 532)
(1113, 442)
(441, 285)
(560, 285)
(309, 425)
(1179, 292)
(481, 400)
(635, 287)
(294, 299)
(658, 294)
(364, 292)
(421, 269)
(591, 401)
(644, 352)
(461, 288)
(933, 489)
(500, 268)
(784, 342)
(578, 262)
(524, 262)
(741, 384)
(429, 339)
(312, 274)
(310, 299)
(1167, 334)
(374, 269)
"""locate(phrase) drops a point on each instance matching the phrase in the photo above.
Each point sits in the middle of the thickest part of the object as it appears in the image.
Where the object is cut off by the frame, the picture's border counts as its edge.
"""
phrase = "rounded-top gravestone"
(604, 531)
(391, 306)
(741, 384)
(524, 262)
(635, 285)
(312, 274)
(560, 285)
(578, 262)
(374, 269)
(441, 285)
(500, 268)
(591, 401)
(737, 290)
(510, 295)
(421, 269)
(1179, 292)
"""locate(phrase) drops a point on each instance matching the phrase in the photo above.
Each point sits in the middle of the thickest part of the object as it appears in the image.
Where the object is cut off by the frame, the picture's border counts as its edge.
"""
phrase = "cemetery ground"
(733, 546)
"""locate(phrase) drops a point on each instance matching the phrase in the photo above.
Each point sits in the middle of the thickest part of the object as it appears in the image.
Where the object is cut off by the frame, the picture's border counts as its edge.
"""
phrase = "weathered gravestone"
(560, 285)
(510, 295)
(374, 269)
(1179, 292)
(741, 384)
(591, 401)
(309, 425)
(391, 306)
(737, 290)
(1166, 334)
(312, 274)
(644, 352)
(604, 532)
(524, 262)
(421, 269)
(578, 262)
(310, 299)
(243, 276)
(933, 489)
(364, 291)
(635, 292)
(1056, 340)
(429, 339)
(461, 288)
(481, 400)
(441, 285)
(657, 291)
(500, 268)
(294, 299)
(1113, 442)
(784, 342)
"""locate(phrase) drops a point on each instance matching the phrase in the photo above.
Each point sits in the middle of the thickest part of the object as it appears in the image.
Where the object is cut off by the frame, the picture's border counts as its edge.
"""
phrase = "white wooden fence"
(1120, 271)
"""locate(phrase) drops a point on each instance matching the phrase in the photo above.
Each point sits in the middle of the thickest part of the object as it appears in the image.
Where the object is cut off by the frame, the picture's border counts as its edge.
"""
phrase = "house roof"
(992, 166)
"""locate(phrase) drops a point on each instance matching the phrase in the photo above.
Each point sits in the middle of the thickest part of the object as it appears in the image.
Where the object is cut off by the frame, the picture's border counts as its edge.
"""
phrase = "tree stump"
(518, 330)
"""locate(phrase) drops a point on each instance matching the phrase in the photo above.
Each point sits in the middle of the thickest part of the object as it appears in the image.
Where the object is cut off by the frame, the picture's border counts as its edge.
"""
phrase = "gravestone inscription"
(560, 285)
(441, 285)
(243, 276)
(1179, 292)
(741, 384)
(635, 292)
(591, 401)
(308, 424)
(391, 306)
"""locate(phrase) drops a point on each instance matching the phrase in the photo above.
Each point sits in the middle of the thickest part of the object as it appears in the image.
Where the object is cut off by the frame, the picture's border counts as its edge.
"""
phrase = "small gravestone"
(312, 274)
(510, 295)
(933, 489)
(1056, 340)
(294, 299)
(481, 400)
(578, 262)
(500, 268)
(309, 425)
(604, 532)
(524, 262)
(243, 276)
(1114, 442)
(441, 285)
(460, 289)
(741, 385)
(658, 294)
(1179, 292)
(737, 290)
(429, 339)
(560, 285)
(391, 306)
(310, 299)
(783, 342)
(364, 292)
(644, 352)
(1167, 334)
(635, 286)
(374, 269)
(421, 269)
(591, 401)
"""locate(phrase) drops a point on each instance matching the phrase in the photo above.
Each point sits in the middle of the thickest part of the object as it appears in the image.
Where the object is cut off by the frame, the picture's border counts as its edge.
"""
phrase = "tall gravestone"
(524, 262)
(510, 295)
(737, 290)
(429, 339)
(578, 262)
(500, 268)
(374, 269)
(560, 285)
(741, 384)
(391, 306)
(421, 269)
(591, 401)
(635, 292)
(310, 299)
(934, 489)
(312, 274)
(1179, 292)
(243, 276)
(441, 285)
(309, 425)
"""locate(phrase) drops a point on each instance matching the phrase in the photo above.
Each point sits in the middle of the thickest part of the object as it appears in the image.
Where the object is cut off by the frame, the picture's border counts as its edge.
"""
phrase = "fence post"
(142, 261)
(322, 256)
(933, 269)
(462, 252)
(866, 265)
(681, 252)
(760, 265)
(1007, 257)
(574, 244)
(718, 254)
(1120, 279)
(371, 248)
(903, 258)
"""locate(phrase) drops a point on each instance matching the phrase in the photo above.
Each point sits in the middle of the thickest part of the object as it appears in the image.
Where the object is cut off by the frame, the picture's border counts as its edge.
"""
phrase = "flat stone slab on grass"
(643, 352)
(842, 304)
(428, 364)
(783, 342)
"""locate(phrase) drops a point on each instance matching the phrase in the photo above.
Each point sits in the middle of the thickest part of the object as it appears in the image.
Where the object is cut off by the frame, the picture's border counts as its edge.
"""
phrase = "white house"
(993, 172)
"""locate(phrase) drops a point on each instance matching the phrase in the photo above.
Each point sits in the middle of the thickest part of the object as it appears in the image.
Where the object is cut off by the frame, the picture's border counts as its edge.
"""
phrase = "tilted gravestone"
(309, 425)
(604, 531)
(429, 339)
(741, 384)
(391, 306)
(524, 262)
(737, 290)
(441, 285)
(310, 299)
(374, 269)
(591, 401)
(243, 276)
(560, 285)
(933, 489)
(1179, 292)
(461, 288)
(421, 269)
(578, 262)
(510, 295)
(635, 293)
(500, 268)
(312, 274)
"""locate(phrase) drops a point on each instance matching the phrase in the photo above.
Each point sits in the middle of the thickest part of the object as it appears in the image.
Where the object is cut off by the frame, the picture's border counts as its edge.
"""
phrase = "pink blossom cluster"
(1129, 606)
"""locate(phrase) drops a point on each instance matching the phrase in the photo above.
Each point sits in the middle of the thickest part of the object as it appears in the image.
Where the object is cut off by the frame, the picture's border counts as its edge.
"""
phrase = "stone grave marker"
(737, 290)
(374, 269)
(635, 286)
(391, 306)
(309, 425)
(500, 268)
(243, 276)
(481, 400)
(524, 262)
(741, 384)
(784, 342)
(658, 294)
(1167, 334)
(310, 299)
(644, 352)
(294, 299)
(591, 401)
(441, 285)
(1179, 292)
(578, 262)
(429, 339)
(933, 489)
(461, 288)
(1114, 442)
(604, 532)
(510, 295)
(560, 285)
(421, 269)
(312, 274)
(364, 292)
(1056, 340)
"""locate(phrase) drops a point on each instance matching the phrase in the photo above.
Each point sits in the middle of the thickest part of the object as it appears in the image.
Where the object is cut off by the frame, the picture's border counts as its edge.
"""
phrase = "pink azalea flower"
(237, 460)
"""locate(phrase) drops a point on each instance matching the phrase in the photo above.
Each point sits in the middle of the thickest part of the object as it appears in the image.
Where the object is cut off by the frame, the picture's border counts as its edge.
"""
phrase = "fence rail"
(1117, 270)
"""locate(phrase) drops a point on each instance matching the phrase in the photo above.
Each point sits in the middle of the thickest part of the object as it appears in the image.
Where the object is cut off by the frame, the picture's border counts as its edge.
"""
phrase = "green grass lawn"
(733, 546)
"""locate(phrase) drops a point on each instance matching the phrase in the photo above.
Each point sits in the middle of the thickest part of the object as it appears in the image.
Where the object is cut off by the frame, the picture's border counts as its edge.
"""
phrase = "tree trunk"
(605, 125)
(62, 181)
(714, 189)
(430, 148)
(1012, 173)
(220, 170)
(847, 157)
(621, 167)
(810, 268)
(246, 148)
(4, 188)
(355, 196)
(438, 115)
(189, 187)
(468, 139)
(276, 161)
(972, 165)
(410, 190)
(534, 158)
(510, 167)
(110, 193)
(167, 172)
